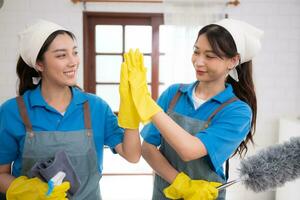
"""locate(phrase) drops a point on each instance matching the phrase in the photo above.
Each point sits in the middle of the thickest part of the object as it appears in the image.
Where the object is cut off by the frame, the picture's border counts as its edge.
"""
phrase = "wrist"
(172, 177)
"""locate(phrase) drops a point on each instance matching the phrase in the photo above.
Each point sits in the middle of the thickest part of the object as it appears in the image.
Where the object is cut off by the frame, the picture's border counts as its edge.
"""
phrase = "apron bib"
(195, 169)
(78, 145)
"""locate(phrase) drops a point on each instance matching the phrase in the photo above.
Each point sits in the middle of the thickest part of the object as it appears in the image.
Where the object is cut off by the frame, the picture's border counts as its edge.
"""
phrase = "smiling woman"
(205, 122)
(60, 62)
(52, 114)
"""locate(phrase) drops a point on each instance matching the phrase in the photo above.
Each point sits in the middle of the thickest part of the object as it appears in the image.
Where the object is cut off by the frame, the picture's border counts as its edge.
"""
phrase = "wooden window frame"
(91, 19)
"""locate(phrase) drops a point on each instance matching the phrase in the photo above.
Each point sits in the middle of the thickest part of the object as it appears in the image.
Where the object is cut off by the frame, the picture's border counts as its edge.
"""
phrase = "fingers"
(60, 191)
(124, 73)
(213, 192)
(140, 60)
(64, 187)
(128, 60)
(132, 59)
(215, 184)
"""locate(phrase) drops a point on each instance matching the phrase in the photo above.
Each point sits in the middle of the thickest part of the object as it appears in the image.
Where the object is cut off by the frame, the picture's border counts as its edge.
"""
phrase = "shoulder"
(95, 101)
(172, 89)
(9, 106)
(235, 110)
(240, 106)
(10, 115)
(94, 98)
(166, 97)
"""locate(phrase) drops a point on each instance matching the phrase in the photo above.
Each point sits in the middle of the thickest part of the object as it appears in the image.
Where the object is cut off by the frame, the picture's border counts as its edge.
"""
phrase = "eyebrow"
(207, 51)
(63, 50)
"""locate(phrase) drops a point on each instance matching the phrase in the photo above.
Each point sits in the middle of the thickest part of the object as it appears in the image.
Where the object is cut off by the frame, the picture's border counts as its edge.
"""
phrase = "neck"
(57, 97)
(206, 90)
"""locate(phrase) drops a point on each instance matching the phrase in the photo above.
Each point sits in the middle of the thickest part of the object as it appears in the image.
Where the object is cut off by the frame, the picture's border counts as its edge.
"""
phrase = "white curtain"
(183, 20)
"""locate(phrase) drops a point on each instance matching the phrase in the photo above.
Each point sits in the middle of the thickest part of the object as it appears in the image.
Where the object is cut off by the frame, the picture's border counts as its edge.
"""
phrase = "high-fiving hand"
(128, 116)
(137, 76)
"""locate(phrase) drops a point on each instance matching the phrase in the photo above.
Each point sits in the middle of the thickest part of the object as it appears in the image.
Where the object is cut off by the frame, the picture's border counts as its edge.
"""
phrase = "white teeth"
(70, 74)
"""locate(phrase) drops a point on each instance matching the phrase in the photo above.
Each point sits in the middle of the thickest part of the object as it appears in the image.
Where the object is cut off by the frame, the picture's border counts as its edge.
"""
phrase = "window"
(106, 37)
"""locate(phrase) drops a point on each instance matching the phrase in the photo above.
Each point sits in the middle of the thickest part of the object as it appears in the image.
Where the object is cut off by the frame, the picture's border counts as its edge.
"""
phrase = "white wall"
(276, 72)
(15, 15)
(276, 69)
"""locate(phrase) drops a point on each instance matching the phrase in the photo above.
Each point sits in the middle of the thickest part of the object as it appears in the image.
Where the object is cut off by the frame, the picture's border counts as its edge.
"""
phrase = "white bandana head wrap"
(32, 39)
(247, 40)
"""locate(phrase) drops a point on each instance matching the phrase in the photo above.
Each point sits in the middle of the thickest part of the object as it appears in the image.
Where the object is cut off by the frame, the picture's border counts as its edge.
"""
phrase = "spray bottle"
(54, 181)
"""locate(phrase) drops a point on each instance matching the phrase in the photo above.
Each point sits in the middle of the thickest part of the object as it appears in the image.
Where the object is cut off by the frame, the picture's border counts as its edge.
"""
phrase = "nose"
(73, 60)
(198, 61)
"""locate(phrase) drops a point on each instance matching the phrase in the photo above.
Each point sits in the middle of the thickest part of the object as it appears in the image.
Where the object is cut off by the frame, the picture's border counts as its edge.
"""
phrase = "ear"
(234, 61)
(39, 66)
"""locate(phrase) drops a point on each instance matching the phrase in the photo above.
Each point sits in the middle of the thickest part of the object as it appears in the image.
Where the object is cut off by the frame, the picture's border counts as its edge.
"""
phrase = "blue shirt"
(227, 129)
(45, 118)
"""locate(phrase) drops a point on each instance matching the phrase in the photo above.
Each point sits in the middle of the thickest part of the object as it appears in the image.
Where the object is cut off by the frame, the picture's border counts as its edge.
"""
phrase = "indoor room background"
(276, 69)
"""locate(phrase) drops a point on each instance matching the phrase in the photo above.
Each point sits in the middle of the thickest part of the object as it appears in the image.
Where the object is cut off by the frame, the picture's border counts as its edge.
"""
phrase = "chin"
(71, 83)
(199, 78)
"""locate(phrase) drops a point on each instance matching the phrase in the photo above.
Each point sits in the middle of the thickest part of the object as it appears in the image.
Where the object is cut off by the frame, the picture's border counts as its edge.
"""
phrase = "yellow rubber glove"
(35, 189)
(184, 187)
(179, 187)
(202, 190)
(128, 116)
(145, 105)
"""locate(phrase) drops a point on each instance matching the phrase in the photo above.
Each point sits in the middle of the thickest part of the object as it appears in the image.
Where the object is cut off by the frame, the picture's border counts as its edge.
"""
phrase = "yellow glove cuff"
(15, 183)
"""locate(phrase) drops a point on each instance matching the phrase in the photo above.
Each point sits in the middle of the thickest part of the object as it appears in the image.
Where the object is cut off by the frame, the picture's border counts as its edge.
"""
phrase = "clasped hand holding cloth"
(35, 189)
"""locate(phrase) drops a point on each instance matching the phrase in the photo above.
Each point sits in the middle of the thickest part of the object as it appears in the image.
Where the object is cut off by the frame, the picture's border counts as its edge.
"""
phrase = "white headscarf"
(32, 39)
(247, 40)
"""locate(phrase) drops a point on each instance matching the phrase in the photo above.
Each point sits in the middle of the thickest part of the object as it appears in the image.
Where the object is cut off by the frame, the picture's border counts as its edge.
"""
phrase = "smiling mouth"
(70, 74)
(200, 72)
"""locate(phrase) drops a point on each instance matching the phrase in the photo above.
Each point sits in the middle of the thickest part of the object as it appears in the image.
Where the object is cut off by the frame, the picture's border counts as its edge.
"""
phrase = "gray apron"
(79, 146)
(195, 169)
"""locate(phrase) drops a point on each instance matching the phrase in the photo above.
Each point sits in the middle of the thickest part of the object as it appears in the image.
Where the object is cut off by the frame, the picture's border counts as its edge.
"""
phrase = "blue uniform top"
(45, 118)
(227, 128)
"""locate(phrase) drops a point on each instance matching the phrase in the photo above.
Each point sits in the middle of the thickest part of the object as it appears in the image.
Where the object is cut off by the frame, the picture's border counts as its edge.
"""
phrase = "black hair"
(223, 44)
(26, 73)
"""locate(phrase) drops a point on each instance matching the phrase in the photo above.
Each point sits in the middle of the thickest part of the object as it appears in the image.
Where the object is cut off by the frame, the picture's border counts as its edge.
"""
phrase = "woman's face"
(60, 62)
(208, 66)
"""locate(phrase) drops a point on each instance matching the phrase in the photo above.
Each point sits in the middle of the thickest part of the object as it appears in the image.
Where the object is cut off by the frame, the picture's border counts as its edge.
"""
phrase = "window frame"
(91, 19)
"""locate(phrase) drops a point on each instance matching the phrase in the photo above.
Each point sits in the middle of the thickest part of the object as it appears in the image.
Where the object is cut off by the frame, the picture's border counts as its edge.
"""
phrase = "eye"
(196, 51)
(210, 56)
(60, 55)
(75, 53)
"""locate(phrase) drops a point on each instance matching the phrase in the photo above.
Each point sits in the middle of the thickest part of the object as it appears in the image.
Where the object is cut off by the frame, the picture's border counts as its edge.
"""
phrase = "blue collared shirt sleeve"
(8, 143)
(113, 133)
(150, 133)
(225, 132)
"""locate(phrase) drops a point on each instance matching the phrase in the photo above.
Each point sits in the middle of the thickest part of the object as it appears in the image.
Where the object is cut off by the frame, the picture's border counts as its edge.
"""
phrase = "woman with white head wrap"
(51, 114)
(205, 122)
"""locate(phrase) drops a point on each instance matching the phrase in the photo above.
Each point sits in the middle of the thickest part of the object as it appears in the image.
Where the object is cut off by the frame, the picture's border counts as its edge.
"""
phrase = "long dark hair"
(26, 73)
(222, 44)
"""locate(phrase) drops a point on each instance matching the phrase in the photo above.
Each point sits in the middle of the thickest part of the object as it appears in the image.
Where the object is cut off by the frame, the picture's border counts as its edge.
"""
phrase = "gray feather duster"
(272, 167)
